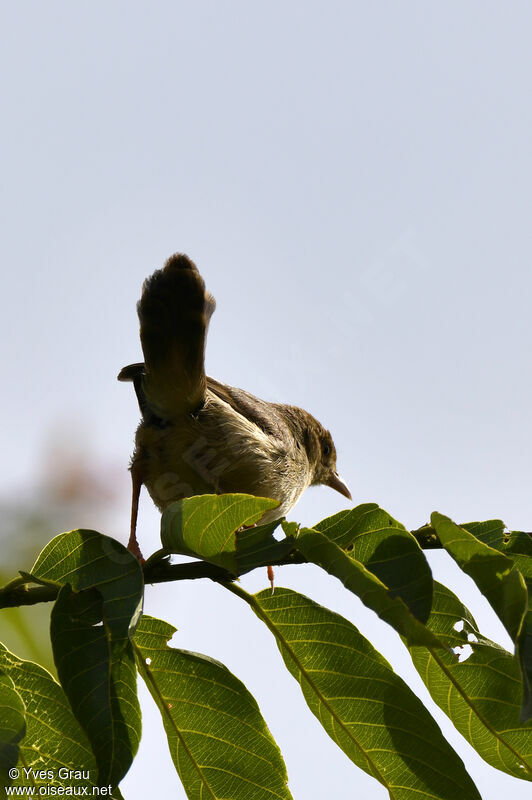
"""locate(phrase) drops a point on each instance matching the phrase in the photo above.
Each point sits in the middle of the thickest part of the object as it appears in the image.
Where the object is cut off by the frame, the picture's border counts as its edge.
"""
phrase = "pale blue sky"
(354, 182)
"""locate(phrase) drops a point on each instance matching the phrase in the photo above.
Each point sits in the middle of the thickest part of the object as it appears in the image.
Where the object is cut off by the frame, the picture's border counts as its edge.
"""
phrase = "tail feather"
(174, 313)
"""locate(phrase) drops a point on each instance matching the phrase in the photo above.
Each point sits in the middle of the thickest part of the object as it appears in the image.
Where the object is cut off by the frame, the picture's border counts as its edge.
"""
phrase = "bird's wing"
(174, 313)
(262, 414)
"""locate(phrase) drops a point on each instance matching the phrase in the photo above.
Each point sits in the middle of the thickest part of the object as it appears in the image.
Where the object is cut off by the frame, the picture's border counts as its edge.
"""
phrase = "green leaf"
(517, 545)
(482, 693)
(87, 559)
(495, 574)
(363, 705)
(12, 726)
(209, 526)
(218, 739)
(90, 638)
(370, 535)
(99, 678)
(318, 549)
(24, 630)
(257, 547)
(54, 738)
(344, 526)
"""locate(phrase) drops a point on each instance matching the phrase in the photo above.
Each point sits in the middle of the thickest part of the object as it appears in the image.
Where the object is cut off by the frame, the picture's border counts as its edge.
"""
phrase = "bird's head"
(319, 447)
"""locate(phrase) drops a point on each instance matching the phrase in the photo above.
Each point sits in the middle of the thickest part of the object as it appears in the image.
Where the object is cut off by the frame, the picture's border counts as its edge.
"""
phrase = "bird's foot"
(134, 549)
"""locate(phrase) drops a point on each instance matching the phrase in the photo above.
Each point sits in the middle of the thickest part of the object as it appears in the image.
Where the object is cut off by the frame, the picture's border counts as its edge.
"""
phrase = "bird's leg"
(271, 576)
(133, 545)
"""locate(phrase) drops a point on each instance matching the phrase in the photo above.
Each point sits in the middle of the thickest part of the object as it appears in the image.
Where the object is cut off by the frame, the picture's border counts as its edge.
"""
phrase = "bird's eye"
(326, 449)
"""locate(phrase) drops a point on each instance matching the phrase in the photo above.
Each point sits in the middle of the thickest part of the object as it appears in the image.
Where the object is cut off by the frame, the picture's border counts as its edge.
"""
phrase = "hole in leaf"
(463, 651)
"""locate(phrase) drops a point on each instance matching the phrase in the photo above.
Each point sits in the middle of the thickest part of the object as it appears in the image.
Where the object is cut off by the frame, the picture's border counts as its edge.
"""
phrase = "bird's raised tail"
(174, 313)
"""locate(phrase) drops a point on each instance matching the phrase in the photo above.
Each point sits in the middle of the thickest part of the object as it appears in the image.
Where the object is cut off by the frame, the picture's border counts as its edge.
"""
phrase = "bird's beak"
(335, 482)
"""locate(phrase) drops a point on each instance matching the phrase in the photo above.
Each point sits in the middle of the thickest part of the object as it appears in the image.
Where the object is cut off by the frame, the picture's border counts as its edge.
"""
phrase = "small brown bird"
(199, 436)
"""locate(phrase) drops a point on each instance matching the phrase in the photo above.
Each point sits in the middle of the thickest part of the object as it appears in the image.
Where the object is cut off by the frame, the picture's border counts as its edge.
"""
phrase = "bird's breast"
(219, 450)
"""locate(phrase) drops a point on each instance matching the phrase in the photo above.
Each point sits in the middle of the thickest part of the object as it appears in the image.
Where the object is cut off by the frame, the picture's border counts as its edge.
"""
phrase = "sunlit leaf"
(494, 573)
(501, 581)
(346, 525)
(370, 535)
(362, 704)
(517, 545)
(211, 527)
(12, 726)
(99, 677)
(53, 737)
(318, 549)
(217, 737)
(90, 630)
(86, 560)
(258, 548)
(479, 687)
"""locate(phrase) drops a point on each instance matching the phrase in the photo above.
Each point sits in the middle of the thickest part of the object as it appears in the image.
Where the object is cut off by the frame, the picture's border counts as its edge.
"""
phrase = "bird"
(200, 436)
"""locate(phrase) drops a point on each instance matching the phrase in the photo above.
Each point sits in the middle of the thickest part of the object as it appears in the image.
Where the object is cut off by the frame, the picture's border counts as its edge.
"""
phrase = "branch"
(19, 592)
(26, 596)
(427, 538)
